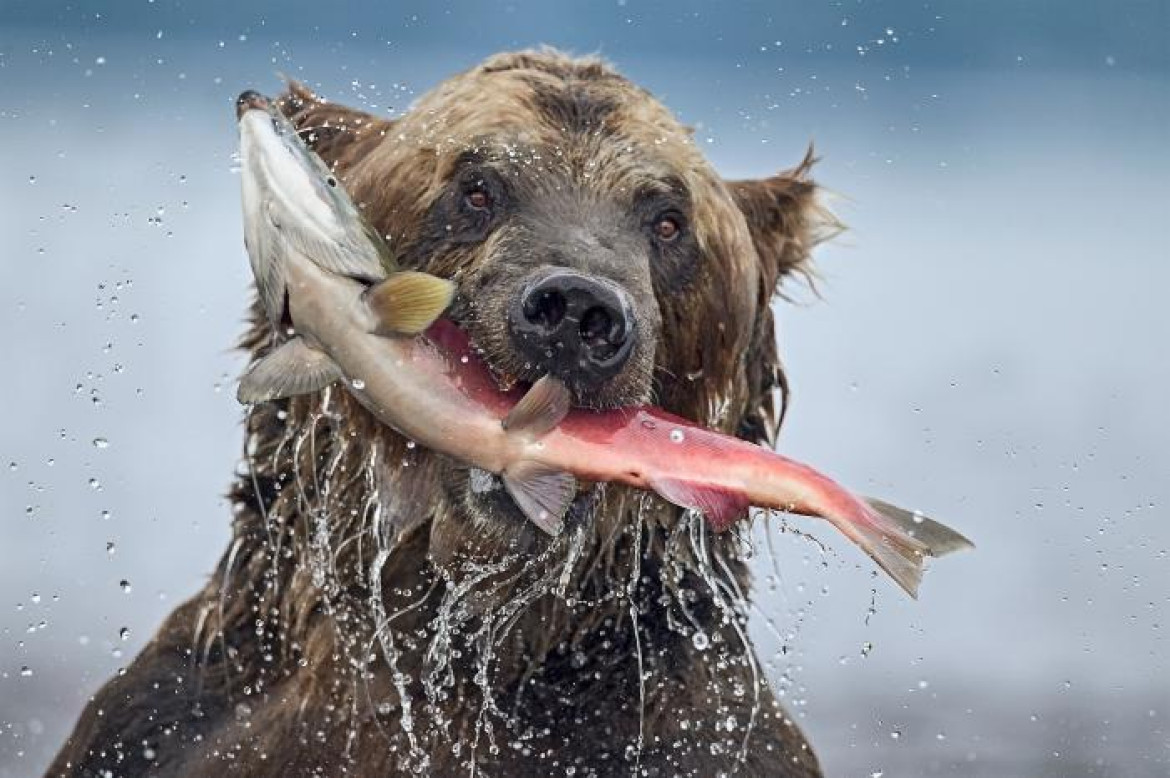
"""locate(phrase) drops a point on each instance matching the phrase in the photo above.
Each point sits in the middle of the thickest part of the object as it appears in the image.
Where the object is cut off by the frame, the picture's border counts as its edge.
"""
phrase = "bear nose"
(578, 327)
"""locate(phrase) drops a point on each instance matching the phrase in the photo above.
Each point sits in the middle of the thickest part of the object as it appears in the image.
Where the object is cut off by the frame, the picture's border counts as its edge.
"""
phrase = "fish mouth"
(251, 100)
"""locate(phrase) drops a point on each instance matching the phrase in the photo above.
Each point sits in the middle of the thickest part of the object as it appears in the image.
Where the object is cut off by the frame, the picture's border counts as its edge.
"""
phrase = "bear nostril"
(597, 329)
(546, 310)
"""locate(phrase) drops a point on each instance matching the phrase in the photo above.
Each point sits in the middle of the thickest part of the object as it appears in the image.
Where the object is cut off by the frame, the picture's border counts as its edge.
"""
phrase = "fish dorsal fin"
(541, 409)
(407, 303)
(543, 493)
(721, 507)
(293, 368)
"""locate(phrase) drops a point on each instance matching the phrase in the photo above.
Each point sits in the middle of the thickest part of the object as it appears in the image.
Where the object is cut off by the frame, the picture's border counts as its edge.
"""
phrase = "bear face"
(589, 238)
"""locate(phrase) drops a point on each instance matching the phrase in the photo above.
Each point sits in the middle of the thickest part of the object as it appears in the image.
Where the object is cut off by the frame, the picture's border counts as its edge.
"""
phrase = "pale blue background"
(991, 345)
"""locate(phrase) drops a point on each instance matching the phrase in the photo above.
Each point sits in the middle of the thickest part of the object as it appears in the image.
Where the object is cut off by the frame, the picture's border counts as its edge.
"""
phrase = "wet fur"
(365, 574)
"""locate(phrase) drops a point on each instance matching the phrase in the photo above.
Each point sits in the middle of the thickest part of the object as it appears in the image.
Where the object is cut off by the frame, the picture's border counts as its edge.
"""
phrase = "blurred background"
(990, 346)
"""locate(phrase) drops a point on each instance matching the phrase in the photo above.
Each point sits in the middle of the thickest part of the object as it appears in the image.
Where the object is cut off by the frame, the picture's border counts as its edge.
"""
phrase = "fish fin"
(721, 507)
(938, 538)
(293, 368)
(543, 493)
(540, 409)
(900, 541)
(407, 303)
(894, 550)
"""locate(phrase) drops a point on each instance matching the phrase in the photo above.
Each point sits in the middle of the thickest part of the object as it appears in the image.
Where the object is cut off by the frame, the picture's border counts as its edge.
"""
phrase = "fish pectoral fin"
(293, 368)
(407, 303)
(543, 493)
(540, 409)
(719, 505)
(938, 538)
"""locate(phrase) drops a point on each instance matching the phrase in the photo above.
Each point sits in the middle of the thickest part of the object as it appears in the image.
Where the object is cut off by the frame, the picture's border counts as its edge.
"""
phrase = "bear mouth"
(482, 494)
(511, 371)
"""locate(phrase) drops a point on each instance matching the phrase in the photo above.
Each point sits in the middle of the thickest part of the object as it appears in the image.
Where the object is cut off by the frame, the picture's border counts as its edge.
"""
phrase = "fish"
(342, 311)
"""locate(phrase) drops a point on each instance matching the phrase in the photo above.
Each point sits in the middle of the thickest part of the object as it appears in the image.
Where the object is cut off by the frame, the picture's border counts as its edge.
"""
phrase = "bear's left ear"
(340, 135)
(786, 218)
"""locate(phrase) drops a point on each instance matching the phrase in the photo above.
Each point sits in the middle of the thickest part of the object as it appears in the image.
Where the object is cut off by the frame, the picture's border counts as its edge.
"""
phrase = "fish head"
(271, 144)
(290, 187)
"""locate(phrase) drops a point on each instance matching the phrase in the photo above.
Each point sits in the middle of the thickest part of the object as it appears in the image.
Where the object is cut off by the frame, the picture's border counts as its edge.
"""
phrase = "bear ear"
(341, 136)
(787, 219)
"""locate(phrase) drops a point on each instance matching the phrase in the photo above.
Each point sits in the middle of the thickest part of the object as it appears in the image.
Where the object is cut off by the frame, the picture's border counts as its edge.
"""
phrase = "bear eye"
(667, 228)
(478, 200)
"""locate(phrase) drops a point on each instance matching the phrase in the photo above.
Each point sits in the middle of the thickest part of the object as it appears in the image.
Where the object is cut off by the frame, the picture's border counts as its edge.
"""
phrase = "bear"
(383, 610)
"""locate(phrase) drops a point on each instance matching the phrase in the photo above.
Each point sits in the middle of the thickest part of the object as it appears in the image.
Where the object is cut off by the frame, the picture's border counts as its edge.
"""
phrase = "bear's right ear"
(340, 135)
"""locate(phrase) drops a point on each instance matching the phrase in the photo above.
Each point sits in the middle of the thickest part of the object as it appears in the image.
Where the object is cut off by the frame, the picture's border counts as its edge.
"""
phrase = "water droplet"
(35, 598)
(125, 585)
(124, 633)
(677, 436)
(358, 384)
(410, 444)
(111, 548)
(26, 671)
(95, 484)
(895, 735)
(101, 443)
(701, 640)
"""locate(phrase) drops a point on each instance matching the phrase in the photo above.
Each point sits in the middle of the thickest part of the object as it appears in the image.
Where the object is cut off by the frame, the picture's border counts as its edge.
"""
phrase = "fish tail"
(900, 541)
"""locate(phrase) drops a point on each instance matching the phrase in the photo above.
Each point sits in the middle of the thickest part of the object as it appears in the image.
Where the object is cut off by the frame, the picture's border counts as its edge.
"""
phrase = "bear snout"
(579, 327)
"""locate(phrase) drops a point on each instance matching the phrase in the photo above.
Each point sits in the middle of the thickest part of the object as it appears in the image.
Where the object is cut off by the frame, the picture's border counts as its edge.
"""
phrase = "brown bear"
(382, 610)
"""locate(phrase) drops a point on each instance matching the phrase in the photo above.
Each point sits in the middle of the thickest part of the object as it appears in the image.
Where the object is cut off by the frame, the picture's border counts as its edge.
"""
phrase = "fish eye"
(331, 181)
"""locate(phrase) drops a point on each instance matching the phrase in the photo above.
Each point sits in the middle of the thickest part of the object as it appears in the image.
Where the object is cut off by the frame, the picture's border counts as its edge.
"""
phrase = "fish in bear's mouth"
(355, 315)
